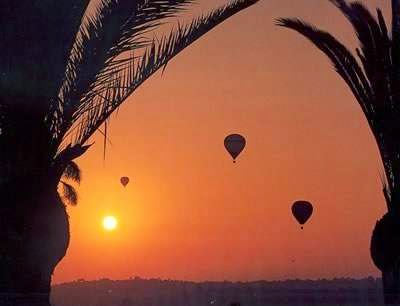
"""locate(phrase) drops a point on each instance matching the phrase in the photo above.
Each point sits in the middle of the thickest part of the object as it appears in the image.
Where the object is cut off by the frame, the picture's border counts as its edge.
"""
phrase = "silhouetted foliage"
(373, 75)
(61, 78)
(375, 83)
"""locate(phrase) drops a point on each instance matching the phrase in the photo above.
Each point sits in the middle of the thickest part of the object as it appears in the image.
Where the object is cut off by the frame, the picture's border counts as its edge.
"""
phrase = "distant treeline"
(157, 292)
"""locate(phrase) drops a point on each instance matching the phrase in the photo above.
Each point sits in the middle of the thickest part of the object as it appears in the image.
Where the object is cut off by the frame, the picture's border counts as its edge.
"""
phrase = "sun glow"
(110, 223)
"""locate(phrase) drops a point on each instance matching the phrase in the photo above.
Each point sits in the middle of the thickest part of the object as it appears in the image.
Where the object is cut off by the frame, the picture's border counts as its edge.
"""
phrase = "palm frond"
(69, 194)
(342, 59)
(386, 189)
(364, 89)
(375, 49)
(122, 82)
(57, 66)
(380, 55)
(116, 27)
(67, 155)
(72, 172)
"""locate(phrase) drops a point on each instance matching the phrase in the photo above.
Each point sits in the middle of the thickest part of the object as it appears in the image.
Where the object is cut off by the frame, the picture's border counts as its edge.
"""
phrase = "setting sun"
(110, 223)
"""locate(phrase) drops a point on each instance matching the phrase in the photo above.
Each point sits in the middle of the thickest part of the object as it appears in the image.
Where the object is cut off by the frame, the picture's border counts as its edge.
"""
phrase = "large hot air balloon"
(302, 211)
(234, 144)
(124, 180)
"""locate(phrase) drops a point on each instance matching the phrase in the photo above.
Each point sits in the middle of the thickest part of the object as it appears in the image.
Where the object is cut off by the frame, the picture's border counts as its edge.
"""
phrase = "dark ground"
(156, 292)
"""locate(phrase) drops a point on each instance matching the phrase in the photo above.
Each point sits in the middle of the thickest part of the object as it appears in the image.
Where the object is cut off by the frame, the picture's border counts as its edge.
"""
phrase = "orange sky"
(189, 213)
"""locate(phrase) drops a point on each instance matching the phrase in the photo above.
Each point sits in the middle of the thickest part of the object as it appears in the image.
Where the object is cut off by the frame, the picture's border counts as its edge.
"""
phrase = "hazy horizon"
(138, 277)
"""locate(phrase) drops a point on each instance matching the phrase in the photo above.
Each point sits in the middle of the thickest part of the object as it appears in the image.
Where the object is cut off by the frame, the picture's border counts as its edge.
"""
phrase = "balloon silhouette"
(234, 144)
(124, 180)
(302, 211)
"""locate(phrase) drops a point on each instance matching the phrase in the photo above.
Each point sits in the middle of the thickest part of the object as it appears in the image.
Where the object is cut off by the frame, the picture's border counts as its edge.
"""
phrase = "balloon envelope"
(302, 211)
(124, 180)
(234, 144)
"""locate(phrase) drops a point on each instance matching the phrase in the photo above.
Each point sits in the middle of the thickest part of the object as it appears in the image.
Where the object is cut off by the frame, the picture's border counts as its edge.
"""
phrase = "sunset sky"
(189, 212)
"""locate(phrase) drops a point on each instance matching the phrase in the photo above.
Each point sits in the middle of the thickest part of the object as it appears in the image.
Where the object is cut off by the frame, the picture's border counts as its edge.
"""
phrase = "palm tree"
(72, 173)
(373, 76)
(62, 74)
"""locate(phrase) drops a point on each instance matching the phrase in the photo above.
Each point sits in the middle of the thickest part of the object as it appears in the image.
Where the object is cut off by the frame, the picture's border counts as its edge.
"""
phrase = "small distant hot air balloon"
(124, 181)
(234, 144)
(302, 211)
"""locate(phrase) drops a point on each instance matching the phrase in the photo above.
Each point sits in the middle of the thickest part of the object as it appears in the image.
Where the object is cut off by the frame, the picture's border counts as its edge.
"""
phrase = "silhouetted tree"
(61, 77)
(374, 79)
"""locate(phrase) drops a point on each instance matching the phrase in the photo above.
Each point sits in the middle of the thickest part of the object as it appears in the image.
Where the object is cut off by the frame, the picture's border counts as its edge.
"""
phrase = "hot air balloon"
(124, 181)
(302, 211)
(234, 144)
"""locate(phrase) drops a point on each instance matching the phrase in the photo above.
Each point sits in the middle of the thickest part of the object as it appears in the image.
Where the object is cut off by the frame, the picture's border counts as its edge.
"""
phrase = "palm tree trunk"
(24, 299)
(385, 252)
(391, 284)
(34, 236)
